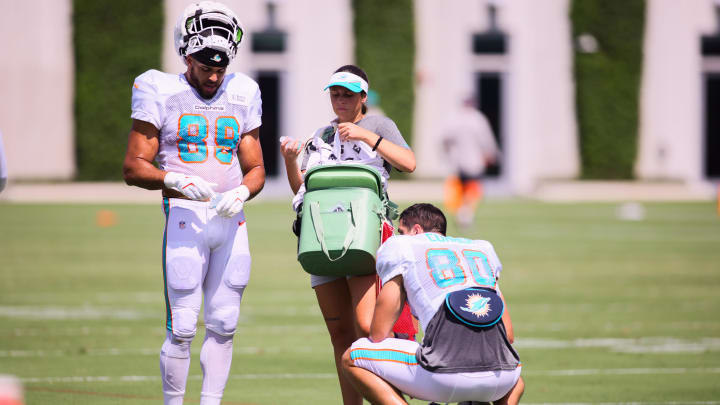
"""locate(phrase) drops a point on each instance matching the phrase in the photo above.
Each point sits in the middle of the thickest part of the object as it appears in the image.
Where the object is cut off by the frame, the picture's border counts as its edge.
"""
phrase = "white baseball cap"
(350, 81)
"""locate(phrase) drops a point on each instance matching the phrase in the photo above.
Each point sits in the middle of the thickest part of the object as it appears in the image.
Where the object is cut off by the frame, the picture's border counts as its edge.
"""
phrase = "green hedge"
(114, 42)
(385, 49)
(607, 85)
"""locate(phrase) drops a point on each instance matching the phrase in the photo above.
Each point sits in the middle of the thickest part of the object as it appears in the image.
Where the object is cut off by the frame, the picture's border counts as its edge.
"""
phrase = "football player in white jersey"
(202, 129)
(451, 286)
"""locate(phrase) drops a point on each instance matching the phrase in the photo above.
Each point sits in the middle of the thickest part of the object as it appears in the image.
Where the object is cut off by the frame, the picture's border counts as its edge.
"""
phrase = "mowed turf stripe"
(53, 312)
(622, 371)
(146, 378)
(225, 401)
(650, 345)
(629, 403)
(285, 376)
(121, 395)
(114, 331)
(150, 351)
(68, 313)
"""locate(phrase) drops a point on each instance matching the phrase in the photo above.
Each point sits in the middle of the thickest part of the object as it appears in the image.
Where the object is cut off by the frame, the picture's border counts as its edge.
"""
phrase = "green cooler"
(341, 220)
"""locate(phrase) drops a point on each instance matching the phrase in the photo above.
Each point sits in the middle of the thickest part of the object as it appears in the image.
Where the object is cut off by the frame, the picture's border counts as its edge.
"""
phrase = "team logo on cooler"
(216, 58)
(181, 224)
(477, 305)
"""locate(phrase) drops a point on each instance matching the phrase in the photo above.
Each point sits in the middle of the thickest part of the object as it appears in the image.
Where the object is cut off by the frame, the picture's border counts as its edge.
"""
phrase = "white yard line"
(613, 326)
(93, 312)
(144, 378)
(154, 330)
(240, 350)
(658, 344)
(75, 331)
(65, 313)
(650, 345)
(552, 373)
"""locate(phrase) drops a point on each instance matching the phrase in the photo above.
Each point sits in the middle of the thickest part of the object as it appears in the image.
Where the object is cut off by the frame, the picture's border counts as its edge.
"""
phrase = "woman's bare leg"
(336, 307)
(362, 295)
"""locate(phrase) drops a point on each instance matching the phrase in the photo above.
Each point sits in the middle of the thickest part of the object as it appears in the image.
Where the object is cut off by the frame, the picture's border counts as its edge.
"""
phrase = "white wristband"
(243, 192)
(171, 179)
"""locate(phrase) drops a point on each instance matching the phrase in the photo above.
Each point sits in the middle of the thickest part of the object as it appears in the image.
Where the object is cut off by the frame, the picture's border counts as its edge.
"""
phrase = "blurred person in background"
(452, 286)
(347, 303)
(470, 147)
(3, 165)
(202, 128)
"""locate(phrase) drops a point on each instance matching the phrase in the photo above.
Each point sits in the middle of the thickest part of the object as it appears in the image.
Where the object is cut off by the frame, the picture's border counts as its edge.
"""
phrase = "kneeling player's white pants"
(394, 361)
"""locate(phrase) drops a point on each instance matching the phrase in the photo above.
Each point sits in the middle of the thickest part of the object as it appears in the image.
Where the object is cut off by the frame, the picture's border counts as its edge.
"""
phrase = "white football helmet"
(207, 24)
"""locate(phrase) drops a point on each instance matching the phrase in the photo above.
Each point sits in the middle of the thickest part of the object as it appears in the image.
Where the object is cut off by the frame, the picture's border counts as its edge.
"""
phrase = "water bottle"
(283, 138)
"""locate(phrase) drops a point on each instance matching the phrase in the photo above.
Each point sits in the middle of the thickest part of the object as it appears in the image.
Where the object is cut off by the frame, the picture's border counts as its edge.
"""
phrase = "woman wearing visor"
(347, 303)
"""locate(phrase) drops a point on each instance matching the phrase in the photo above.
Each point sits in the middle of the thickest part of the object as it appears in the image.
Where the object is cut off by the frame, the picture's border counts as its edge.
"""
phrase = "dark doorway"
(488, 90)
(269, 82)
(712, 125)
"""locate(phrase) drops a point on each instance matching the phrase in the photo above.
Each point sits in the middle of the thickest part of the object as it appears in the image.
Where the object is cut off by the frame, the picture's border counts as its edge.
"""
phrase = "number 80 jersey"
(198, 136)
(433, 265)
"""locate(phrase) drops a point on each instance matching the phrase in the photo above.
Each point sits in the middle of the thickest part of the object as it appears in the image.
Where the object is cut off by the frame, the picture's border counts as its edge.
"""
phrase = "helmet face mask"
(208, 25)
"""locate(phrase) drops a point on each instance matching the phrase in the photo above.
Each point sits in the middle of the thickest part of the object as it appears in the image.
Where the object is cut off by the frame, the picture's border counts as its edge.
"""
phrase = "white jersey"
(471, 141)
(433, 265)
(198, 136)
(326, 148)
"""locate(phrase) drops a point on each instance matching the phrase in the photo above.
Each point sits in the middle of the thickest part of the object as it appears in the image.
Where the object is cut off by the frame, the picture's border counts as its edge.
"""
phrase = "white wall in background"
(36, 83)
(539, 133)
(671, 143)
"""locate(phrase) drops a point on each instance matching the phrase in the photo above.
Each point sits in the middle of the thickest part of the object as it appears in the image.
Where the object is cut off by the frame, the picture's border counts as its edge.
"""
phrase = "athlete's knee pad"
(223, 320)
(184, 270)
(221, 340)
(237, 271)
(184, 322)
(176, 347)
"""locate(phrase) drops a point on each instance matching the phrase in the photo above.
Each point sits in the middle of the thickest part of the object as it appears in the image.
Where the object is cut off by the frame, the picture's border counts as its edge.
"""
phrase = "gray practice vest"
(450, 346)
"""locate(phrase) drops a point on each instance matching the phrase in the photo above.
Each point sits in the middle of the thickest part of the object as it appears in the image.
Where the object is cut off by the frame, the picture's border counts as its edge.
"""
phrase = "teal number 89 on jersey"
(193, 133)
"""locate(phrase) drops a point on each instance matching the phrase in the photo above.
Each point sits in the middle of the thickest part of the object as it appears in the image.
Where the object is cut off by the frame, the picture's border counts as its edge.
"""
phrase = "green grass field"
(605, 311)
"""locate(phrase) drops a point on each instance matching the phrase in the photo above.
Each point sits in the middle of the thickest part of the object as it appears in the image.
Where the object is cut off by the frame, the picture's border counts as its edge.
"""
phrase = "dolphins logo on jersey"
(477, 305)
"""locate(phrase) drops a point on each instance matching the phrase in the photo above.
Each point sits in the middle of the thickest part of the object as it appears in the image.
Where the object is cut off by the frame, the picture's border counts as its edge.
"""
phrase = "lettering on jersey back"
(436, 237)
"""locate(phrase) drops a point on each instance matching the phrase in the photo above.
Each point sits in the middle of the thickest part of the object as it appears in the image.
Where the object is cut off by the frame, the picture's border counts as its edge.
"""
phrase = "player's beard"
(200, 87)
